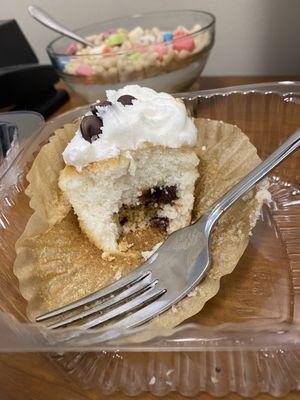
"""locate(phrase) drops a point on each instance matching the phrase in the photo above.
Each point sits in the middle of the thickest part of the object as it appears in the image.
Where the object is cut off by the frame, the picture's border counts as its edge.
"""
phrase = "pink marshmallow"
(139, 47)
(184, 43)
(161, 49)
(109, 32)
(84, 69)
(178, 33)
(71, 50)
(107, 50)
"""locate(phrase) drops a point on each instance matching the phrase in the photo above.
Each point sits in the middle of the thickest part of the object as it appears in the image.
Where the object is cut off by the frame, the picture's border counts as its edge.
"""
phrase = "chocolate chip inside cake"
(149, 205)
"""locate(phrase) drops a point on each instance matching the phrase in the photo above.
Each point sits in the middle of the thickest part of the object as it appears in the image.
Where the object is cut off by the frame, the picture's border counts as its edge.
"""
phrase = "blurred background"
(253, 37)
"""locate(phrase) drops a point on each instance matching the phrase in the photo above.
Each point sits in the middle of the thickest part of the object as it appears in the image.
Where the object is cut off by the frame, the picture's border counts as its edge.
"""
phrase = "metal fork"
(171, 272)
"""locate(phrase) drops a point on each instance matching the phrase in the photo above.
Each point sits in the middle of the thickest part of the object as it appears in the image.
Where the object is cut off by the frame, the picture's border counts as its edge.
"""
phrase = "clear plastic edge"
(17, 336)
(283, 88)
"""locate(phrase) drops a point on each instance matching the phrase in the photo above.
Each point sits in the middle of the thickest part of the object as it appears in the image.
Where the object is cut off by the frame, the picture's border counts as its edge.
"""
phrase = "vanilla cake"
(130, 165)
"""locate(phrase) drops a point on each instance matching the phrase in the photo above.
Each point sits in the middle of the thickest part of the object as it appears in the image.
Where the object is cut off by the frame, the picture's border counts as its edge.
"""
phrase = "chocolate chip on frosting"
(93, 109)
(126, 99)
(103, 103)
(91, 127)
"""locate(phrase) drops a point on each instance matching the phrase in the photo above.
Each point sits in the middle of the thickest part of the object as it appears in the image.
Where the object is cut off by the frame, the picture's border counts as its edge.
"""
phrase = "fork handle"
(42, 17)
(283, 151)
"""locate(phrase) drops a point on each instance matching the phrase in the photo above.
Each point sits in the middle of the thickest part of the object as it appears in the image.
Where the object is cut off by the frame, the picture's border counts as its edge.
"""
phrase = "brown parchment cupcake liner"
(56, 264)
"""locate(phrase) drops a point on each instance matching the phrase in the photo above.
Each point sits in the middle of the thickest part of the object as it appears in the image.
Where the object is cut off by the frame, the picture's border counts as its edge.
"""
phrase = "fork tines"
(131, 293)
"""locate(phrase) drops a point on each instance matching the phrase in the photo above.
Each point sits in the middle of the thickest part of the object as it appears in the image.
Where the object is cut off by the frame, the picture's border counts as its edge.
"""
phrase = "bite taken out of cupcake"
(131, 164)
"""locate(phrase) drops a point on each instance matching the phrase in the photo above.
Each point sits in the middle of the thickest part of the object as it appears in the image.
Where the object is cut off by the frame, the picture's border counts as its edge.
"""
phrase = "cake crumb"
(264, 196)
(117, 276)
(107, 256)
(203, 148)
(192, 293)
(132, 164)
(123, 246)
(174, 309)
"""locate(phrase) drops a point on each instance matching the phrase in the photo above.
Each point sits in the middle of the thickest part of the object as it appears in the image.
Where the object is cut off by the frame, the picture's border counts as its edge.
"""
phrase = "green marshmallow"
(116, 39)
(134, 56)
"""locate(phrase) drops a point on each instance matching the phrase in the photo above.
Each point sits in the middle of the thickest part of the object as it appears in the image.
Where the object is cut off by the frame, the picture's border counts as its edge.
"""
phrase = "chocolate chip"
(159, 222)
(93, 109)
(104, 103)
(90, 127)
(160, 195)
(123, 220)
(126, 99)
(166, 194)
(218, 369)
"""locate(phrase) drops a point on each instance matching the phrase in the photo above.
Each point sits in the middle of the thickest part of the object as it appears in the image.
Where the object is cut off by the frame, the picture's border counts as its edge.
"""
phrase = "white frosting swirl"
(153, 117)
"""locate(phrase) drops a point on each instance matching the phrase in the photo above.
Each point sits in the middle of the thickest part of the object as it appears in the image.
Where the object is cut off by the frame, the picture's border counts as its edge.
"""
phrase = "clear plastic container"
(247, 338)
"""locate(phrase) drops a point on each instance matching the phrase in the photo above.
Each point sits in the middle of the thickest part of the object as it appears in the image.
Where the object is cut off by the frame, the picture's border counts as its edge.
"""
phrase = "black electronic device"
(25, 84)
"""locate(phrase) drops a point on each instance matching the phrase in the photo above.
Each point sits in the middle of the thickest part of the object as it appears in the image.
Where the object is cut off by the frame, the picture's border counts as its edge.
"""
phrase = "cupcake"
(131, 164)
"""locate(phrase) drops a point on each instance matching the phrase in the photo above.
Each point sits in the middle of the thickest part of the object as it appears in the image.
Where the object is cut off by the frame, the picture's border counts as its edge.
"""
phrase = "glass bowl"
(167, 66)
(245, 340)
